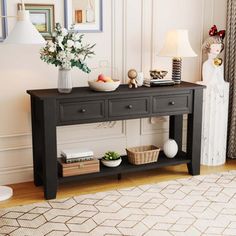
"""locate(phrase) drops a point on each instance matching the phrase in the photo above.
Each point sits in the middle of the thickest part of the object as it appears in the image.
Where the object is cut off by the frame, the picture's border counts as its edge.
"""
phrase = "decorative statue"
(213, 71)
(215, 101)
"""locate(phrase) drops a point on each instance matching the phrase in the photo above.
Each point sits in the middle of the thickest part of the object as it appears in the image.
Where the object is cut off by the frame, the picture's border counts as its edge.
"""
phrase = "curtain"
(230, 75)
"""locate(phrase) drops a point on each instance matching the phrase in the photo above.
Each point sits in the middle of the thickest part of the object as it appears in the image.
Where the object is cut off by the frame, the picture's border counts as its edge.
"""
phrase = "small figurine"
(132, 74)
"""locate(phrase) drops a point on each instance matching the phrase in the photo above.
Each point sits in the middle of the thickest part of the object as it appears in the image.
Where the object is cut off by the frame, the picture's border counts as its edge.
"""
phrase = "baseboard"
(15, 175)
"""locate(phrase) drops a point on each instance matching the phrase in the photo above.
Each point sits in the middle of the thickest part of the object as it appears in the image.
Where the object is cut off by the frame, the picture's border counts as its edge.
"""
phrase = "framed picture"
(3, 21)
(84, 15)
(43, 17)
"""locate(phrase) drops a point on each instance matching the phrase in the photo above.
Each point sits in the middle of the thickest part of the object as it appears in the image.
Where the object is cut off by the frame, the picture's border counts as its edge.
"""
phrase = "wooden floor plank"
(26, 193)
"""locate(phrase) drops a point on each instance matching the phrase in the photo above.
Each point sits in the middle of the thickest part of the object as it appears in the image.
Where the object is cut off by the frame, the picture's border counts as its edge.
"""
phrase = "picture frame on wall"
(3, 20)
(84, 15)
(42, 16)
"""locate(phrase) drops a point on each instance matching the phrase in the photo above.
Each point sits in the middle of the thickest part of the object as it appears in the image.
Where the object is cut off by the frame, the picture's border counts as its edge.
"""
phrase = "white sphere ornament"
(170, 148)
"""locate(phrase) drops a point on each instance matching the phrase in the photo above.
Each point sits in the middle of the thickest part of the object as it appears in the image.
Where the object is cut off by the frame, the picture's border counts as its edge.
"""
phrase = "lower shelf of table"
(126, 167)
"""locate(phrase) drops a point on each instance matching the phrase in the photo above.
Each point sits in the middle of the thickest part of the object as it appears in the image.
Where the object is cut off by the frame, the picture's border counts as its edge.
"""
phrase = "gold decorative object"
(218, 61)
(132, 74)
(158, 74)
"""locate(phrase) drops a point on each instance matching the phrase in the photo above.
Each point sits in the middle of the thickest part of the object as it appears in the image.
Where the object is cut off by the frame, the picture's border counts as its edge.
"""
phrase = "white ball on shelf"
(170, 148)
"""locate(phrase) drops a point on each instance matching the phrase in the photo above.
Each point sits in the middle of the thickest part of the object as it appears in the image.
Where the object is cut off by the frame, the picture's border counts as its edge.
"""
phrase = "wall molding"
(124, 40)
(146, 127)
(12, 140)
(154, 34)
(15, 135)
(16, 174)
(201, 38)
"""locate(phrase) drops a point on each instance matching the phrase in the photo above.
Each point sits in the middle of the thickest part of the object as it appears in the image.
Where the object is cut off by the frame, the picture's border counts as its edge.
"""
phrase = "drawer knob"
(82, 110)
(130, 106)
(172, 103)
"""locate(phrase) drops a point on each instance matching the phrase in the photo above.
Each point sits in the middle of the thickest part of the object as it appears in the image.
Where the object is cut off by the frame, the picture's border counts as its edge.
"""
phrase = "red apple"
(102, 78)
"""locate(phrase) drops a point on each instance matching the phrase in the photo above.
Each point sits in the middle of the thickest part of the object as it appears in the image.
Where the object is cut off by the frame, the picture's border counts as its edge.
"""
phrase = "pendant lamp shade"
(24, 31)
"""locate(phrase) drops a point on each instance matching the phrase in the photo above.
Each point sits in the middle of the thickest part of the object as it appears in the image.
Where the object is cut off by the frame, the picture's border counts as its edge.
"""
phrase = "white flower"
(60, 39)
(61, 55)
(51, 49)
(50, 44)
(65, 49)
(77, 45)
(70, 56)
(70, 43)
(76, 36)
(64, 32)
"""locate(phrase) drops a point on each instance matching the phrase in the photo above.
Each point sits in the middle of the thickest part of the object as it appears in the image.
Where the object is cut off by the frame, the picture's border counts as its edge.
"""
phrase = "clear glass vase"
(64, 81)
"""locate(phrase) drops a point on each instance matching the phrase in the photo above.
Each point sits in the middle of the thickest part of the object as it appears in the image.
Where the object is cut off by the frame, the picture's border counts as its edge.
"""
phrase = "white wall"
(133, 34)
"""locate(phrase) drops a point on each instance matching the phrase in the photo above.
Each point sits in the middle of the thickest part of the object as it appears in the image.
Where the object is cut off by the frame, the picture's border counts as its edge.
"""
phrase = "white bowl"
(111, 163)
(104, 87)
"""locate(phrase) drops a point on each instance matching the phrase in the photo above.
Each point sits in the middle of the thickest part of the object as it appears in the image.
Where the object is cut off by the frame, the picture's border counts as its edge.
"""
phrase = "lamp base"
(176, 69)
(5, 193)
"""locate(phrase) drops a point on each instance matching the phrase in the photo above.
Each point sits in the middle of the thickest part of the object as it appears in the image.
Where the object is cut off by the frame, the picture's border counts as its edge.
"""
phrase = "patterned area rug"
(202, 205)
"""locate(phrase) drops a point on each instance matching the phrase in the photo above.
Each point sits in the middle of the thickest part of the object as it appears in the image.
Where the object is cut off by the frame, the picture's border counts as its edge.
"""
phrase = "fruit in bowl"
(111, 159)
(104, 84)
(104, 79)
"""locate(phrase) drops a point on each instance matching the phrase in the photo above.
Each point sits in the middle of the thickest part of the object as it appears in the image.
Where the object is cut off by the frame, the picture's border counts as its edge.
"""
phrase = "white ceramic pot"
(111, 163)
(170, 148)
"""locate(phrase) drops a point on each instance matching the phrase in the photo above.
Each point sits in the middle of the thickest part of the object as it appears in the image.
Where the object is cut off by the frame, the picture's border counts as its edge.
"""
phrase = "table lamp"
(24, 32)
(177, 46)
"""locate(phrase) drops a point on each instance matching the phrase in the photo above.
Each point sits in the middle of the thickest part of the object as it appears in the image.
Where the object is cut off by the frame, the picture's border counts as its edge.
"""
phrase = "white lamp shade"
(177, 45)
(24, 31)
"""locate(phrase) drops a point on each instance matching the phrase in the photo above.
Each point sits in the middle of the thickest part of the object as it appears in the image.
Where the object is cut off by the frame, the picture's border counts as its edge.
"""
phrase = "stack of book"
(77, 162)
(158, 82)
(76, 155)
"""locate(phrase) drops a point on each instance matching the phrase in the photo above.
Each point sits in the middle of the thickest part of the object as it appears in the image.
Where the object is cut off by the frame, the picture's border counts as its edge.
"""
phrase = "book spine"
(72, 160)
(77, 155)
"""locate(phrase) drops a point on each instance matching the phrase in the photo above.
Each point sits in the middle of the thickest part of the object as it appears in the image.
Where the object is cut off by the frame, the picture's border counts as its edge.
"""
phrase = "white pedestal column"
(215, 120)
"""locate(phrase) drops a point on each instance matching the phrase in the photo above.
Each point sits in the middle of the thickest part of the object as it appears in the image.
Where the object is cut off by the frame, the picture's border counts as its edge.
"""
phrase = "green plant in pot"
(111, 159)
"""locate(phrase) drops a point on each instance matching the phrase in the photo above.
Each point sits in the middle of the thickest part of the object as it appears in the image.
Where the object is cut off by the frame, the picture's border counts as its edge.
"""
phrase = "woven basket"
(142, 155)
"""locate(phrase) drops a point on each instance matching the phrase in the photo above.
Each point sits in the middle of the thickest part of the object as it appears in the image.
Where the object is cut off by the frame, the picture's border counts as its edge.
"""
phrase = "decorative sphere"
(170, 148)
(132, 74)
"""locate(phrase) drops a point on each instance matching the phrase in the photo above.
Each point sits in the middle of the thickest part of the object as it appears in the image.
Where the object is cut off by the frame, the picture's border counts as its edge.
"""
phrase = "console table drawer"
(128, 107)
(175, 104)
(79, 111)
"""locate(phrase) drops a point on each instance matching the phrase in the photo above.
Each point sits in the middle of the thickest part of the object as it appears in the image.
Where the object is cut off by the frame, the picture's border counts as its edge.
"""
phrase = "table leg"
(176, 129)
(45, 145)
(194, 133)
(50, 173)
(36, 142)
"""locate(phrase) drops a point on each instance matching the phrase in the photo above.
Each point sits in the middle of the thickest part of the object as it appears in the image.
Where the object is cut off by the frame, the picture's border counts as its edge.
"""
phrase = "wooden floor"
(26, 193)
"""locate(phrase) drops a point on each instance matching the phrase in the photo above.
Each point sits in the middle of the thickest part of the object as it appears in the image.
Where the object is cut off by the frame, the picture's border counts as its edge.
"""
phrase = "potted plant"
(66, 50)
(111, 159)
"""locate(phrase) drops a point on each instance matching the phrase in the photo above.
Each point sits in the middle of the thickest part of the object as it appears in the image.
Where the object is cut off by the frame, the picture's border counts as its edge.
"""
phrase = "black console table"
(50, 109)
